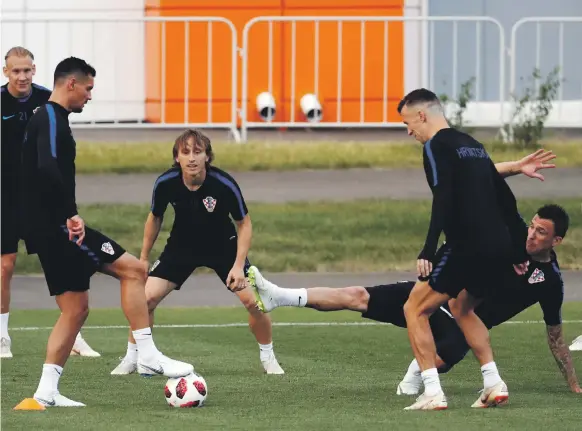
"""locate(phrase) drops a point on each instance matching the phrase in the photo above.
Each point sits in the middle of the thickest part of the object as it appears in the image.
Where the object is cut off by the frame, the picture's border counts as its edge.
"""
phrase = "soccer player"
(70, 252)
(20, 98)
(542, 284)
(477, 212)
(204, 199)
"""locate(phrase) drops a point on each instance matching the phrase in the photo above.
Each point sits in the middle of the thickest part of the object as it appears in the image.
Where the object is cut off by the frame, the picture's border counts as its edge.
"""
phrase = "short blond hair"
(18, 51)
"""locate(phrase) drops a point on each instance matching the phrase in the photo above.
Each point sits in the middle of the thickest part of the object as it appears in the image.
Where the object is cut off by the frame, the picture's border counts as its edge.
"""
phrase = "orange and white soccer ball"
(188, 391)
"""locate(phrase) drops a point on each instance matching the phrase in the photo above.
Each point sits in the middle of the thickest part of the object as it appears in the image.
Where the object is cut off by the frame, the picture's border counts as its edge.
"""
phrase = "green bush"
(531, 110)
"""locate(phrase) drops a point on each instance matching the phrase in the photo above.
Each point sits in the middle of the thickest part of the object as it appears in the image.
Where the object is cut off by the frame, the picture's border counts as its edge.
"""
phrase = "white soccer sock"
(49, 380)
(289, 297)
(79, 336)
(145, 343)
(413, 373)
(131, 352)
(266, 350)
(490, 375)
(432, 384)
(4, 325)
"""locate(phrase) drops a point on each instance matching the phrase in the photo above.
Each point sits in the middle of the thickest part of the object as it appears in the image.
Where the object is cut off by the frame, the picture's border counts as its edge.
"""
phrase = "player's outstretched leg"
(74, 311)
(261, 327)
(269, 296)
(132, 275)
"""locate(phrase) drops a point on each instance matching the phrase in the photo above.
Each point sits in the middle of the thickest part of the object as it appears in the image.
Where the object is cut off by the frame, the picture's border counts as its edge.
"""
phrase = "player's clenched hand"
(236, 280)
(521, 268)
(146, 266)
(423, 268)
(577, 390)
(76, 227)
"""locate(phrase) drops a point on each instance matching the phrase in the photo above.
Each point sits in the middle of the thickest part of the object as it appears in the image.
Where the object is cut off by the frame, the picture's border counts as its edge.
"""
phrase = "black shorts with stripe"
(481, 276)
(68, 267)
(176, 265)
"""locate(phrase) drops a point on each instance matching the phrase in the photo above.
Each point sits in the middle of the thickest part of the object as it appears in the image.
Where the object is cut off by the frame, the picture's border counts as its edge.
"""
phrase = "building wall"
(115, 49)
(507, 13)
(277, 77)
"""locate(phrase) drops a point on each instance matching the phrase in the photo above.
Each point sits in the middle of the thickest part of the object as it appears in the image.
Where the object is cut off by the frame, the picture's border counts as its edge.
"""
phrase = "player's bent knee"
(410, 309)
(78, 312)
(250, 305)
(8, 262)
(247, 298)
(135, 272)
(423, 301)
(460, 309)
(358, 297)
(127, 267)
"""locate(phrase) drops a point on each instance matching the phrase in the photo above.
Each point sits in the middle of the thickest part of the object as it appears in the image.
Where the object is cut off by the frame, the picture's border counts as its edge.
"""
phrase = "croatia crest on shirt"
(537, 276)
(209, 203)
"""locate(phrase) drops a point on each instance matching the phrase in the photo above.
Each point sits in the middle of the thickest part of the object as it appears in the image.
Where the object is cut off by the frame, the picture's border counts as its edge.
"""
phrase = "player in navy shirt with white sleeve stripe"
(69, 252)
(476, 210)
(21, 98)
(205, 200)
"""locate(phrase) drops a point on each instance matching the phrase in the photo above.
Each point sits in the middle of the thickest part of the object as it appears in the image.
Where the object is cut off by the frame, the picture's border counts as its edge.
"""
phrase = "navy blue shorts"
(69, 267)
(481, 276)
(176, 265)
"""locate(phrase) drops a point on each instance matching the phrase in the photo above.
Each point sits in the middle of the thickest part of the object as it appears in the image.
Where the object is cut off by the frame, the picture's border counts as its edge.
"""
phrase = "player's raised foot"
(496, 395)
(126, 366)
(426, 402)
(409, 386)
(81, 348)
(271, 365)
(56, 400)
(5, 352)
(576, 345)
(265, 294)
(164, 366)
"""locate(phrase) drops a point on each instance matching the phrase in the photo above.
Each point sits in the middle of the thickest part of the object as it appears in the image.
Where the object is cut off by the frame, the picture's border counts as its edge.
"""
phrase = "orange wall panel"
(221, 64)
(240, 13)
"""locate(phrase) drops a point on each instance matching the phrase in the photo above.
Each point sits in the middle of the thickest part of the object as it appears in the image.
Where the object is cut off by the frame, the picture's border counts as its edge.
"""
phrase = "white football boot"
(164, 366)
(576, 345)
(5, 352)
(271, 365)
(424, 402)
(81, 348)
(496, 395)
(125, 367)
(56, 400)
(409, 386)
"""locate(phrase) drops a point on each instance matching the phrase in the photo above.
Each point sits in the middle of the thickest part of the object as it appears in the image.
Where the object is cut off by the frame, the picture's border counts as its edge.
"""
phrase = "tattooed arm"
(562, 356)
